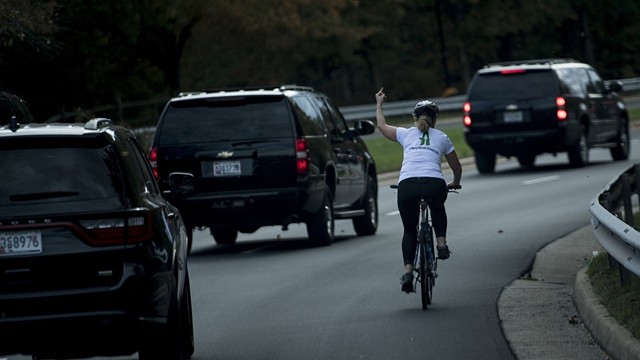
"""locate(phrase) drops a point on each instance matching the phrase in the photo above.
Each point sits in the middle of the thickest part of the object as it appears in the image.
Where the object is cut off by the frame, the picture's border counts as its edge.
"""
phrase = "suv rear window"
(229, 118)
(59, 176)
(522, 86)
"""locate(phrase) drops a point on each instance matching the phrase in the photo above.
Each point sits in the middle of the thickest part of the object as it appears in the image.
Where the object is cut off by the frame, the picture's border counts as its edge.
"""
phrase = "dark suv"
(526, 108)
(93, 259)
(261, 157)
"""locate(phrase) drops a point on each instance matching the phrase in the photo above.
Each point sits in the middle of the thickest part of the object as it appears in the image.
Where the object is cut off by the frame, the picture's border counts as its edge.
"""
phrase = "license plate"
(17, 243)
(227, 168)
(513, 116)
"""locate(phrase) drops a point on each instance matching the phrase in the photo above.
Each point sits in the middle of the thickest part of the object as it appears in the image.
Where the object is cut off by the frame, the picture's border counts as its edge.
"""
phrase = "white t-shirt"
(423, 153)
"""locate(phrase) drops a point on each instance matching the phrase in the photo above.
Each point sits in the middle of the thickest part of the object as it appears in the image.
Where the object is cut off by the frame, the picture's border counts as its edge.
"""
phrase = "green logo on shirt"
(424, 140)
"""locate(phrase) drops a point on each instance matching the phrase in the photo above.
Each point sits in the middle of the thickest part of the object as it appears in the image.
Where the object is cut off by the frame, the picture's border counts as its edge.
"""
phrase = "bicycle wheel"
(426, 285)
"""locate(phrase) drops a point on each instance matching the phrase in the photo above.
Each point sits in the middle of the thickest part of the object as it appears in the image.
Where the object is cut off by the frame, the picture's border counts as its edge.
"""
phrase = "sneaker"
(443, 252)
(407, 283)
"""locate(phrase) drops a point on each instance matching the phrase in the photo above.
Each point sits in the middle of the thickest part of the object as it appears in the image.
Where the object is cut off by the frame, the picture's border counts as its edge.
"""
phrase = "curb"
(614, 338)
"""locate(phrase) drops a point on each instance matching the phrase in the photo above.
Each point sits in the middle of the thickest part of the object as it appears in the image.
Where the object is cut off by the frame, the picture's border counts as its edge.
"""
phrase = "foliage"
(65, 55)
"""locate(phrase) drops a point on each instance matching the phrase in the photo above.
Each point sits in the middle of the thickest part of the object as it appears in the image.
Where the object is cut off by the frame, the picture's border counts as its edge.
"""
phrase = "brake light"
(561, 113)
(153, 159)
(512, 71)
(125, 228)
(466, 119)
(302, 157)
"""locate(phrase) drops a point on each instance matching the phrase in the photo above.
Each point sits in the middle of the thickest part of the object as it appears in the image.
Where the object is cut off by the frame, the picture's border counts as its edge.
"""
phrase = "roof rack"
(251, 88)
(296, 87)
(532, 62)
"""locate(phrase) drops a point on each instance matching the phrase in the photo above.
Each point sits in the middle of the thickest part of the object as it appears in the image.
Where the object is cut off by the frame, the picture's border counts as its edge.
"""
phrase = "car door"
(603, 104)
(349, 142)
(327, 147)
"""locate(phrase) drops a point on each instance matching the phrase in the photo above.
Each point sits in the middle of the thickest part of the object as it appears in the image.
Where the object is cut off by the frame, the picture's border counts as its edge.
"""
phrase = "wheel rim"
(624, 141)
(329, 217)
(374, 211)
(424, 289)
(584, 150)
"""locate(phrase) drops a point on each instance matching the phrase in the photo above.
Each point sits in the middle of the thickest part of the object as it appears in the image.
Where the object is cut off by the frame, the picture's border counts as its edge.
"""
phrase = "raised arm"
(387, 130)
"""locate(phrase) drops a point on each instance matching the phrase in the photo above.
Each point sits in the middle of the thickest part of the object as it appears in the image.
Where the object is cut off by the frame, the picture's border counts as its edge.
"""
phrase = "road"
(284, 300)
(274, 297)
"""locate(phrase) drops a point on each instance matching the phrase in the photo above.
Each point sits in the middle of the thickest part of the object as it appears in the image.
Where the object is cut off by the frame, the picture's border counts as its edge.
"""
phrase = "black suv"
(261, 157)
(93, 259)
(526, 108)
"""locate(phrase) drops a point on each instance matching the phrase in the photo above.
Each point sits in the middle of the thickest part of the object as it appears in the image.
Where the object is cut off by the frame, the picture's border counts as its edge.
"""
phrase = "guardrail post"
(626, 199)
(636, 182)
(625, 275)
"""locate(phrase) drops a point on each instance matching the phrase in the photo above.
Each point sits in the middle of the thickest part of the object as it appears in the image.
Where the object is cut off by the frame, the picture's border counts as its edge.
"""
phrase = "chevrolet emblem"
(225, 154)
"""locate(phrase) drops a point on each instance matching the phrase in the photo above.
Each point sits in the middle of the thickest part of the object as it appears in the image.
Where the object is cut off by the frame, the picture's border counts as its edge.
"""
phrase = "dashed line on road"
(541, 180)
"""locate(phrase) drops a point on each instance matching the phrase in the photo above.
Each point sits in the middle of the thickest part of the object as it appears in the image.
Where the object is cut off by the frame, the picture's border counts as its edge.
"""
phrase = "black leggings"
(410, 191)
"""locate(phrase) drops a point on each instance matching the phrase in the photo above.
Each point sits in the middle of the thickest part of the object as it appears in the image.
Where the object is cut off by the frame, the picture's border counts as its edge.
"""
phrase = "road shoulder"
(537, 312)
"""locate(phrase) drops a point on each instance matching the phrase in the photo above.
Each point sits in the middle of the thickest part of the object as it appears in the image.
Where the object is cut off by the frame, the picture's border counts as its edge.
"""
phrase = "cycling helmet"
(428, 107)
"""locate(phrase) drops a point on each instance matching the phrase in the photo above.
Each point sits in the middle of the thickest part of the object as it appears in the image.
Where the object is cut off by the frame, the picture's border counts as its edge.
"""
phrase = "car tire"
(368, 223)
(579, 152)
(320, 226)
(621, 151)
(189, 239)
(526, 160)
(224, 235)
(186, 320)
(485, 162)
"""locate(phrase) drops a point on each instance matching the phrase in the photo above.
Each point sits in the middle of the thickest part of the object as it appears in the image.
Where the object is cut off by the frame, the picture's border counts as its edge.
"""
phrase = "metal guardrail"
(355, 112)
(452, 103)
(400, 108)
(613, 221)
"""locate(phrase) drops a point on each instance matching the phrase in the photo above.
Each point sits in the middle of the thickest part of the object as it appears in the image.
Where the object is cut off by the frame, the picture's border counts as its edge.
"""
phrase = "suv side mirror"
(364, 127)
(181, 184)
(615, 85)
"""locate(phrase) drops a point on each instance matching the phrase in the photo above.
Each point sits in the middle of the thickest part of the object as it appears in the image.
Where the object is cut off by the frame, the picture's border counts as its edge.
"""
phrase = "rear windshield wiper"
(42, 195)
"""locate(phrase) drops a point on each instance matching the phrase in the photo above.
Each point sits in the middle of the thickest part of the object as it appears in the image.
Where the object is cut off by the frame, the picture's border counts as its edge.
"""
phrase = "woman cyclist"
(421, 177)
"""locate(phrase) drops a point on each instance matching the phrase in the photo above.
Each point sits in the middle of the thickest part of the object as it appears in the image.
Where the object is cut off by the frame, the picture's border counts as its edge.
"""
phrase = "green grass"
(388, 154)
(622, 302)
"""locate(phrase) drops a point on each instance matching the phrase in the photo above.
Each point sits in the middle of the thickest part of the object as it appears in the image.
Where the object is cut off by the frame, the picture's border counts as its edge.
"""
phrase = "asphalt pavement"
(553, 313)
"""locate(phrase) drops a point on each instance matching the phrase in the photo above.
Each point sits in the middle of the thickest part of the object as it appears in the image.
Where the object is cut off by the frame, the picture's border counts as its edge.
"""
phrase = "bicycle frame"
(425, 263)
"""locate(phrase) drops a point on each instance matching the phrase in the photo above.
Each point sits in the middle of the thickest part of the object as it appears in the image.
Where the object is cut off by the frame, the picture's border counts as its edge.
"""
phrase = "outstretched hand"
(380, 97)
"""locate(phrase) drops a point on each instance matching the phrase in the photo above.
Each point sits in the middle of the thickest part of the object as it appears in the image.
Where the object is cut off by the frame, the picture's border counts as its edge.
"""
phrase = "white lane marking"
(541, 180)
(393, 213)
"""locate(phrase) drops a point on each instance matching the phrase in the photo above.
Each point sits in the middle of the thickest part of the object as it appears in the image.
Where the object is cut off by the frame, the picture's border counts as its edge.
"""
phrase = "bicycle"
(425, 264)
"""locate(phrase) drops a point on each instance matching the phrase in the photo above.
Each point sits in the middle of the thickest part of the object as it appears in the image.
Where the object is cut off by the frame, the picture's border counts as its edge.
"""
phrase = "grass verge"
(622, 302)
(388, 154)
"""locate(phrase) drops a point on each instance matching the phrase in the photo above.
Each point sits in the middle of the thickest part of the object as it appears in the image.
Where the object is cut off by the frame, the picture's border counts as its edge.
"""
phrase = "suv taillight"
(153, 160)
(466, 119)
(126, 228)
(561, 113)
(302, 157)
